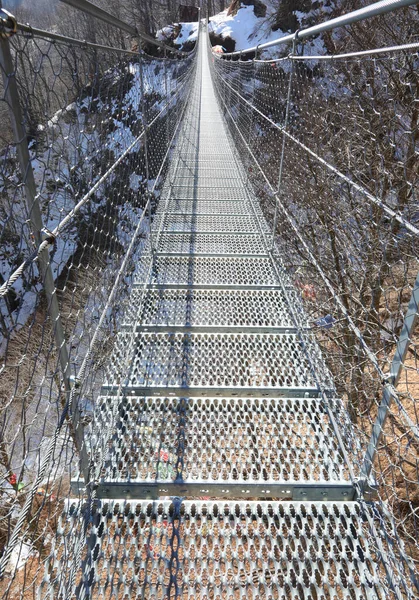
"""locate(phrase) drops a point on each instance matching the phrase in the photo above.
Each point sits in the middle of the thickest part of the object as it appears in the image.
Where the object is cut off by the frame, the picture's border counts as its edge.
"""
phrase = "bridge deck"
(220, 403)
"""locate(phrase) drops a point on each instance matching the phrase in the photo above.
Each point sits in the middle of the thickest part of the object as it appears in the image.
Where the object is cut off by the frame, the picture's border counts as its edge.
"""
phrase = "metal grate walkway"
(224, 402)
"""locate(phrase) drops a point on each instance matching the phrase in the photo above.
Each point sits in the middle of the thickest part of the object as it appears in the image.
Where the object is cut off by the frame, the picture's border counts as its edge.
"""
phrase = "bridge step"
(212, 549)
(189, 192)
(235, 309)
(229, 363)
(213, 162)
(222, 447)
(210, 271)
(241, 224)
(216, 174)
(211, 244)
(207, 207)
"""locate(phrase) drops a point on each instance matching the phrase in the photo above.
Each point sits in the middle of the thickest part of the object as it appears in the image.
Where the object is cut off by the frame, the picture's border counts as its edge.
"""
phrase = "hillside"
(181, 35)
(65, 157)
(252, 22)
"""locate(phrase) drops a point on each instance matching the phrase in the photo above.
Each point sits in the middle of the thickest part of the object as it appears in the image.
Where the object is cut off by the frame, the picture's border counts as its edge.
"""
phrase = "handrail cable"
(106, 17)
(331, 57)
(392, 213)
(57, 37)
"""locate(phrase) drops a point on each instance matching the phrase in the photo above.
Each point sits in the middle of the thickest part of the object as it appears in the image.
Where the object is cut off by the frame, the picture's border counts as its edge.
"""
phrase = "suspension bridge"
(211, 453)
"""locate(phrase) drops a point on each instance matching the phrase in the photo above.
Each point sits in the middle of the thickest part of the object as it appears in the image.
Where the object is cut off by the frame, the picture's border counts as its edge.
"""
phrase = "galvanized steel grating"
(211, 244)
(192, 182)
(206, 171)
(212, 271)
(188, 192)
(214, 207)
(271, 364)
(239, 310)
(218, 549)
(222, 442)
(207, 223)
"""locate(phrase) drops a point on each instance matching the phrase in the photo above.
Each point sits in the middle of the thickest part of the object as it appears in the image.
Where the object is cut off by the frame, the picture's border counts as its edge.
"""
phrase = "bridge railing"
(86, 135)
(328, 129)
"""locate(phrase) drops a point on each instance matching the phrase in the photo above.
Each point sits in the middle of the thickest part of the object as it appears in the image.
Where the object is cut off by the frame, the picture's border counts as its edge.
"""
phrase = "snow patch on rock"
(244, 27)
(179, 34)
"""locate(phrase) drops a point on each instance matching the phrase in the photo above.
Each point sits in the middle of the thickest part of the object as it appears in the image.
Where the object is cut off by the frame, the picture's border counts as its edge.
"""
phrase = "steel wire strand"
(64, 223)
(348, 228)
(84, 124)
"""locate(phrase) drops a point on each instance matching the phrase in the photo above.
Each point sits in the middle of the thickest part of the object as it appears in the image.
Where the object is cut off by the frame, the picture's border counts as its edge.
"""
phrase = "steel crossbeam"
(133, 489)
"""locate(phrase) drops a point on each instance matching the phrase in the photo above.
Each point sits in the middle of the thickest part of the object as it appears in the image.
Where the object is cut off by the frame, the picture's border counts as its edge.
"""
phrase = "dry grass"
(41, 529)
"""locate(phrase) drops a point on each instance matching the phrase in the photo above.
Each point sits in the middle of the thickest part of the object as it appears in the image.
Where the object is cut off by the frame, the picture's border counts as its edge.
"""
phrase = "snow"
(64, 158)
(134, 181)
(163, 35)
(244, 27)
(248, 30)
(188, 33)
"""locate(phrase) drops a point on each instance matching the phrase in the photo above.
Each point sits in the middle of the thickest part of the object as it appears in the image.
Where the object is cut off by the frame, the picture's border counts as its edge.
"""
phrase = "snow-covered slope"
(252, 22)
(245, 28)
(182, 35)
(66, 161)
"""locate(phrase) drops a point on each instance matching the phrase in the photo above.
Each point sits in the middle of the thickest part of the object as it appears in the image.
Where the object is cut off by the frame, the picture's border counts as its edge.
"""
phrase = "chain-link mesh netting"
(331, 148)
(85, 142)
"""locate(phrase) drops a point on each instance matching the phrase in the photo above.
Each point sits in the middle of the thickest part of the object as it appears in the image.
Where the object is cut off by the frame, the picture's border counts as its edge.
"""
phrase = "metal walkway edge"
(224, 401)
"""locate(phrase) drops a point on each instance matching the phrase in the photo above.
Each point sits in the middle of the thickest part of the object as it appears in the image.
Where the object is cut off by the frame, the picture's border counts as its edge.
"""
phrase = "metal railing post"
(284, 137)
(251, 119)
(145, 125)
(40, 235)
(389, 391)
(166, 91)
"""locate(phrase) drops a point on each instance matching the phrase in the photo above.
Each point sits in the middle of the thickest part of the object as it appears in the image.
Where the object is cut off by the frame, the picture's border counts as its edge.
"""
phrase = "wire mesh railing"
(85, 143)
(329, 136)
(329, 143)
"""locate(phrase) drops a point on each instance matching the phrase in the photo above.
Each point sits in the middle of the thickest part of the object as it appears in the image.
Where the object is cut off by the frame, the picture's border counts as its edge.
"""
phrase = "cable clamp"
(366, 489)
(48, 236)
(388, 379)
(8, 24)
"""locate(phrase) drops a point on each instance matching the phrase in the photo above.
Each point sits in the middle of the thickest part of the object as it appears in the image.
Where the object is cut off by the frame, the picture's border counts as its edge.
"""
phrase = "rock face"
(259, 8)
(227, 42)
(188, 14)
(287, 20)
